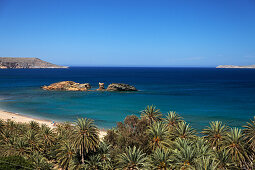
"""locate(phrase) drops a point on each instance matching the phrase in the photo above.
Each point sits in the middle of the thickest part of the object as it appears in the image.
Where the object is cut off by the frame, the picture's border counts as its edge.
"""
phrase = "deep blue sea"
(199, 95)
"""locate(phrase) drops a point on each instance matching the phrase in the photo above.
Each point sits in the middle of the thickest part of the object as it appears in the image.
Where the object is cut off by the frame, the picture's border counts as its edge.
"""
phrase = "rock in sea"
(120, 87)
(67, 86)
(101, 87)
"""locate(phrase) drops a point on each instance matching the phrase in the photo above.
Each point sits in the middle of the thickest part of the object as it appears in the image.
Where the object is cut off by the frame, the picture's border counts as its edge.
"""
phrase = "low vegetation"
(150, 141)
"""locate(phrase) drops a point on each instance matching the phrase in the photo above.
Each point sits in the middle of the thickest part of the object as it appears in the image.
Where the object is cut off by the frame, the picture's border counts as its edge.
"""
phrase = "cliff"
(232, 66)
(17, 62)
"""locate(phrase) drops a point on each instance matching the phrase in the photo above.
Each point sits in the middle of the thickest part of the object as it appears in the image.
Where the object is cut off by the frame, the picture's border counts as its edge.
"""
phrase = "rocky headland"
(73, 86)
(233, 66)
(25, 63)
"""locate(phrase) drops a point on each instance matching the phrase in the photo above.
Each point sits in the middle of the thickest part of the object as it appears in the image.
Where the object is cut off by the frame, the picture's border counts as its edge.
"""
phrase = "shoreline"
(20, 118)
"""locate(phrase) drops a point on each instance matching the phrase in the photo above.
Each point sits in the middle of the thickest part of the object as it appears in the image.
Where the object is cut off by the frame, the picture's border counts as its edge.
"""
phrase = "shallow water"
(198, 94)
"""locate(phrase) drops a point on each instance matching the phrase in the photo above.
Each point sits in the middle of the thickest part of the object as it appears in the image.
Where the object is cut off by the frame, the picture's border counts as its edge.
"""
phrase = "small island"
(233, 66)
(73, 86)
(25, 63)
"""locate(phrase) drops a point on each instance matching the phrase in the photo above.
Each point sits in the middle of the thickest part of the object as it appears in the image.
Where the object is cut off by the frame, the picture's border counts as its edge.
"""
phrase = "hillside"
(17, 62)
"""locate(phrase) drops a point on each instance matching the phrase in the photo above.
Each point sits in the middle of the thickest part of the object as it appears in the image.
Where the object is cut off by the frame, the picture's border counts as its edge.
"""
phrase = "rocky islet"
(73, 86)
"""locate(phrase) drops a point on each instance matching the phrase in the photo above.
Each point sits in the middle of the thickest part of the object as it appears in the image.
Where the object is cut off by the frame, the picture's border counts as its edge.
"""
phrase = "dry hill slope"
(17, 62)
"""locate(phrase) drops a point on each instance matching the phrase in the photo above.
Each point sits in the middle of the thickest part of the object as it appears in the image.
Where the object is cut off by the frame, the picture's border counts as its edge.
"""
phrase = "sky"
(160, 33)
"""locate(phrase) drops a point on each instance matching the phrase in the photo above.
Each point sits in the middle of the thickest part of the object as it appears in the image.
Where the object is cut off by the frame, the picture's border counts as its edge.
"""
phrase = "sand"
(5, 115)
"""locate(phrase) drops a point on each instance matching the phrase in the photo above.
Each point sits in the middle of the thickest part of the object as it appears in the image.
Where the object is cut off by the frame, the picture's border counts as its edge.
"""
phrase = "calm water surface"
(197, 94)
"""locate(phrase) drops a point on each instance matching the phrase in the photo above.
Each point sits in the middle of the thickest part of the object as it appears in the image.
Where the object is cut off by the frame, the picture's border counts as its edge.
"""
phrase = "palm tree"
(206, 163)
(75, 164)
(132, 159)
(21, 128)
(202, 147)
(21, 147)
(93, 162)
(2, 125)
(161, 159)
(158, 135)
(65, 154)
(172, 119)
(31, 138)
(40, 162)
(86, 136)
(64, 131)
(224, 159)
(46, 137)
(104, 153)
(34, 125)
(7, 147)
(184, 155)
(215, 133)
(151, 113)
(249, 133)
(183, 130)
(5, 136)
(11, 126)
(234, 145)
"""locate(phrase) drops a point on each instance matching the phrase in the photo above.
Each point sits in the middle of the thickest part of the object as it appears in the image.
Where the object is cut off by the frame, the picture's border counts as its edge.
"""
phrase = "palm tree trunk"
(82, 155)
(82, 151)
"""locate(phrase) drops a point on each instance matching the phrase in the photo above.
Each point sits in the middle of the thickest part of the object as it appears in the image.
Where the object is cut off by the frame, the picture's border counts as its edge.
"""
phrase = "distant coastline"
(25, 63)
(233, 66)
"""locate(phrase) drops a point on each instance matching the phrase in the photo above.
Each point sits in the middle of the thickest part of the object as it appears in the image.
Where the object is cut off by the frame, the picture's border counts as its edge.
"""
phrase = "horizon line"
(143, 66)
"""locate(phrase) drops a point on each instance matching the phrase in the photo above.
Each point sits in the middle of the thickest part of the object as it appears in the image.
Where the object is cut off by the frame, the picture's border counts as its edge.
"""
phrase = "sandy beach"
(5, 115)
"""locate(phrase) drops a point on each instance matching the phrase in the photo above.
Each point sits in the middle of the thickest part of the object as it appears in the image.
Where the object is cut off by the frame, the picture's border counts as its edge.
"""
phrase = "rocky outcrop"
(120, 87)
(67, 86)
(73, 86)
(101, 87)
(232, 66)
(3, 67)
(17, 62)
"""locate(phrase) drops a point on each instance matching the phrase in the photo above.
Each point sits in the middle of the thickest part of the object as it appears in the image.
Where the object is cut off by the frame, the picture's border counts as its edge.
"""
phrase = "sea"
(199, 95)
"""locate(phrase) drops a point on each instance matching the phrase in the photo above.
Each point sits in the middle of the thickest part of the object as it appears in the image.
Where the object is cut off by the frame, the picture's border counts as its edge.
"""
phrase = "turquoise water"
(198, 94)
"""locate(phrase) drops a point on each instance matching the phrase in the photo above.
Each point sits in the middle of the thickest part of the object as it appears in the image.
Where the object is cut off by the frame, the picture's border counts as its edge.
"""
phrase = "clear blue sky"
(130, 32)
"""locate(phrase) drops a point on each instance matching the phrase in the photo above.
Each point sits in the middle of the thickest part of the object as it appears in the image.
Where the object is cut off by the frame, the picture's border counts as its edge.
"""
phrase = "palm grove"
(150, 141)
